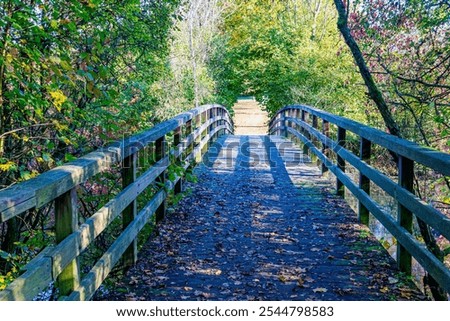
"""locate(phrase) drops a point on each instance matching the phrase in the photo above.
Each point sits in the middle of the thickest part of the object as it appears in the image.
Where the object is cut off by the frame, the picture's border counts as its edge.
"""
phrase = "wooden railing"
(191, 133)
(302, 123)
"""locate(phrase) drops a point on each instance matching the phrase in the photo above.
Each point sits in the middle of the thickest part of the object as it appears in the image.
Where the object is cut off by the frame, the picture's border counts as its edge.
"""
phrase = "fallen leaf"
(300, 282)
(384, 289)
(282, 278)
(320, 290)
(134, 280)
(309, 279)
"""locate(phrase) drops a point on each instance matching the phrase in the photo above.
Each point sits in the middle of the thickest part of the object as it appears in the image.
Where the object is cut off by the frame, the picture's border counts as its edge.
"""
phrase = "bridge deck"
(262, 228)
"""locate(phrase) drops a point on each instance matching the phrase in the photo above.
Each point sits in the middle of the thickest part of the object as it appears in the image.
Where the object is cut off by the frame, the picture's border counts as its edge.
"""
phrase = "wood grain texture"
(431, 264)
(431, 158)
(46, 187)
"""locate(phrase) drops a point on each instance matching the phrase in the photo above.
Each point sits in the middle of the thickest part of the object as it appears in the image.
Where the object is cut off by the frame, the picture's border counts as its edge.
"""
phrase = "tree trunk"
(374, 92)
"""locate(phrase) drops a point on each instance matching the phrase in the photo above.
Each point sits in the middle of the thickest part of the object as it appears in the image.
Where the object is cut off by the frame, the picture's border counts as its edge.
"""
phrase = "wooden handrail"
(192, 131)
(293, 121)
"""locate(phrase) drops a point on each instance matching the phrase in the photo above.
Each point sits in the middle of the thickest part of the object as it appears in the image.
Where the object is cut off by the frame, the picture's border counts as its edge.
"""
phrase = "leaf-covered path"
(261, 224)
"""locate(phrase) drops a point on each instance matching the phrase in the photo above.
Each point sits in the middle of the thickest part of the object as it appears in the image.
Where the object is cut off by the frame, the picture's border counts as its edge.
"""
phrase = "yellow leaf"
(91, 4)
(65, 65)
(55, 59)
(9, 58)
(54, 24)
(58, 98)
(6, 167)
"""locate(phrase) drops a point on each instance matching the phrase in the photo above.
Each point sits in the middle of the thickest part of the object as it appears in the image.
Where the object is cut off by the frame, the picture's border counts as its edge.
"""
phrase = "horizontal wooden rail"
(292, 121)
(199, 125)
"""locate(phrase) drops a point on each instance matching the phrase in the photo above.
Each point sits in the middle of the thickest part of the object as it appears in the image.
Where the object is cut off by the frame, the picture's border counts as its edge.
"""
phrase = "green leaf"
(47, 157)
(25, 175)
(69, 157)
(54, 24)
(4, 255)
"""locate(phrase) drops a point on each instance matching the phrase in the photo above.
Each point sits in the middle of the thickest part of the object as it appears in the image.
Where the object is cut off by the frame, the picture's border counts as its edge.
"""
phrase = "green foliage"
(74, 75)
(410, 62)
(284, 53)
(33, 242)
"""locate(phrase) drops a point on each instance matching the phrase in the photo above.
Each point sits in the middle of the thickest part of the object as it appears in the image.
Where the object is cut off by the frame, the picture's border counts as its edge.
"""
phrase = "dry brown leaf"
(320, 290)
(282, 278)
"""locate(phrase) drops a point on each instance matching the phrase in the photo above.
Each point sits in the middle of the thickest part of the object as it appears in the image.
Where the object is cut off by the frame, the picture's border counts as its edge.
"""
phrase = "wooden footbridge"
(262, 223)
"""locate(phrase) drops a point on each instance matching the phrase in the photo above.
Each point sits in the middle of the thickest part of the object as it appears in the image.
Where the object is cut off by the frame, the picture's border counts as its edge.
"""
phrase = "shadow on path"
(261, 224)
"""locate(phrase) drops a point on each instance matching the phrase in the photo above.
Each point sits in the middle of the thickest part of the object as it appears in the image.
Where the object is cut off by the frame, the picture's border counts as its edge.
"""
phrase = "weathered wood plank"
(325, 149)
(431, 158)
(73, 245)
(60, 182)
(16, 200)
(197, 151)
(161, 151)
(177, 142)
(65, 252)
(419, 251)
(129, 213)
(404, 216)
(36, 278)
(103, 267)
(341, 142)
(47, 186)
(66, 223)
(365, 147)
(424, 211)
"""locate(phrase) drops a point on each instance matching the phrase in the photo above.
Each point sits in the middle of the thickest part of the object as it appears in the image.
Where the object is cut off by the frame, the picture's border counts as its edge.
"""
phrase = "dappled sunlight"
(257, 229)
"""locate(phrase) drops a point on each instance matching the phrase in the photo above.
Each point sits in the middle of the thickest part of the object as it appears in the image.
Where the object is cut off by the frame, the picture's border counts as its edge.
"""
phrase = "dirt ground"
(249, 118)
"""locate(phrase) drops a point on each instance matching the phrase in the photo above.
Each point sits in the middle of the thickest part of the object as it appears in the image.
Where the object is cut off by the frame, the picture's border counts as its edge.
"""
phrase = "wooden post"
(215, 113)
(198, 123)
(285, 123)
(325, 149)
(404, 216)
(303, 131)
(176, 143)
(66, 222)
(204, 119)
(279, 125)
(212, 115)
(364, 182)
(188, 132)
(315, 125)
(298, 116)
(160, 151)
(341, 136)
(129, 257)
